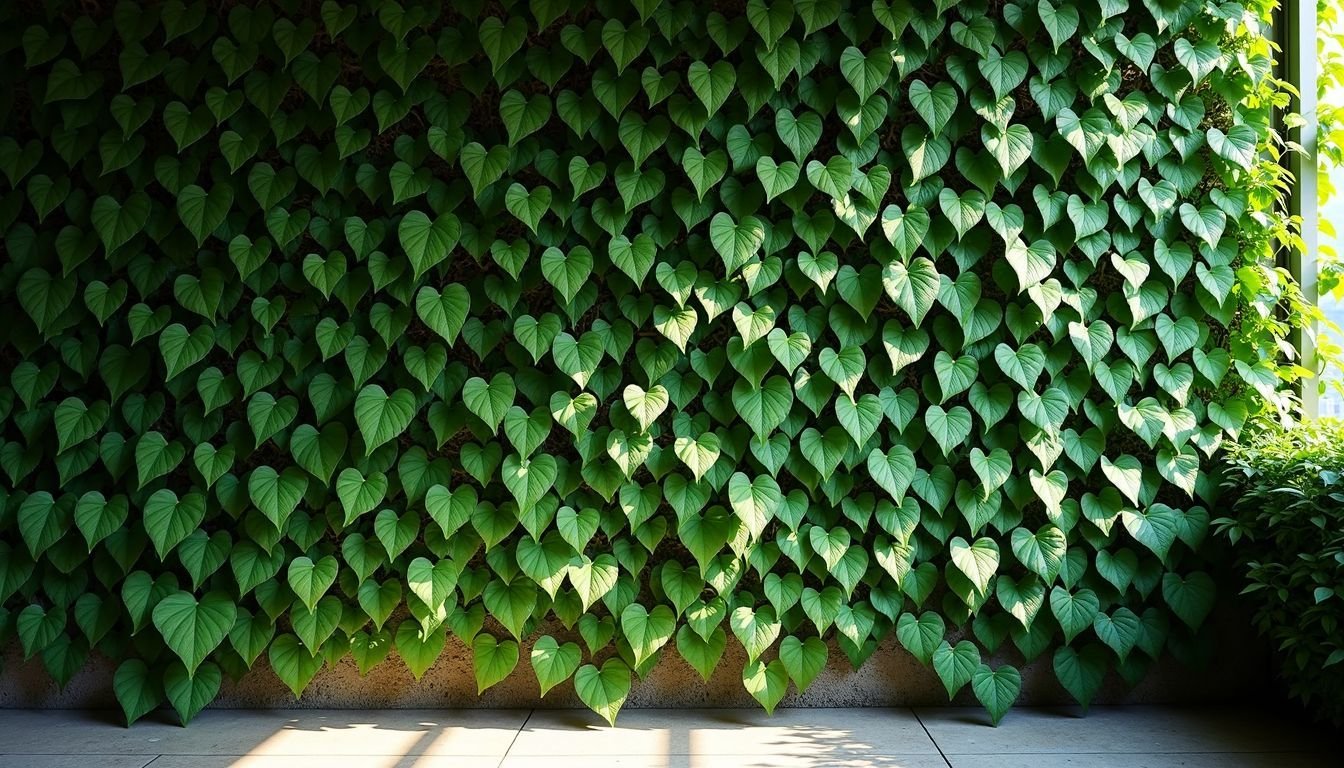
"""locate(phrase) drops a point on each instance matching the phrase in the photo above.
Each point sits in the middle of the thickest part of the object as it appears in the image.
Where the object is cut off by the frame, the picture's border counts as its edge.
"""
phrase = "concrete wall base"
(1237, 670)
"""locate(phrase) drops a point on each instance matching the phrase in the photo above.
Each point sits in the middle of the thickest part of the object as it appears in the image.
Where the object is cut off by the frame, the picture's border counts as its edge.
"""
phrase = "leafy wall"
(338, 328)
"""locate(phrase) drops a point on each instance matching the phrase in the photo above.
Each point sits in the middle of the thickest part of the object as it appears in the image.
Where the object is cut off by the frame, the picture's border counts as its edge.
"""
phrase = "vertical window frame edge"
(1299, 36)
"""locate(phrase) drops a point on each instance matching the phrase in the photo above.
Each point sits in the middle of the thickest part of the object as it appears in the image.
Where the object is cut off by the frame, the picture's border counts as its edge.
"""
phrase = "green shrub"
(335, 328)
(1288, 529)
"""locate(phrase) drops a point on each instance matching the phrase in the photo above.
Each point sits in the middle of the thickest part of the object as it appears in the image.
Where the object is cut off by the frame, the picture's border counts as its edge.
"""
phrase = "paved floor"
(1128, 737)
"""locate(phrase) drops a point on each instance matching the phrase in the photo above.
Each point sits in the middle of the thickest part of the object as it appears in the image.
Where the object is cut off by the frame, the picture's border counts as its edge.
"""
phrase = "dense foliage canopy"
(337, 328)
(1288, 525)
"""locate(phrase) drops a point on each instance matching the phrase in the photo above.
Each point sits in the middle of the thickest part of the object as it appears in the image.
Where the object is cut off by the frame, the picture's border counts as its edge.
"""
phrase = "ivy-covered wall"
(339, 328)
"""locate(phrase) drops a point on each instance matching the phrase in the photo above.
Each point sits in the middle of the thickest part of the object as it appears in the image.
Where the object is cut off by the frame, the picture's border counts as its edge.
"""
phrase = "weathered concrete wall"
(1236, 670)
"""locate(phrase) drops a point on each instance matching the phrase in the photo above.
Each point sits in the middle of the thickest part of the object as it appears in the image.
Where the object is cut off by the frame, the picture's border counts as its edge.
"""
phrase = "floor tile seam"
(521, 727)
(932, 740)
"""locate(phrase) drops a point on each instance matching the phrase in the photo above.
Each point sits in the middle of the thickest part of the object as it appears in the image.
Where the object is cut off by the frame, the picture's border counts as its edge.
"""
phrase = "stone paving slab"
(1149, 760)
(325, 761)
(1119, 737)
(726, 761)
(816, 732)
(76, 761)
(1118, 730)
(300, 733)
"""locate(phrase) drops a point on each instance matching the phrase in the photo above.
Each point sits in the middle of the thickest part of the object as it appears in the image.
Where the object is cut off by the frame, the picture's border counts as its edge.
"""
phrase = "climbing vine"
(338, 328)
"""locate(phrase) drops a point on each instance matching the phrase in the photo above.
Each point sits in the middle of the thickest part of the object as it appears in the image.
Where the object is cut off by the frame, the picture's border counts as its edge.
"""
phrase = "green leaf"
(803, 659)
(98, 517)
(420, 648)
(528, 206)
(426, 241)
(1004, 72)
(634, 257)
(996, 689)
(1061, 23)
(1075, 612)
(76, 422)
(382, 416)
(567, 272)
(702, 653)
(603, 690)
(1041, 553)
(1126, 474)
(276, 494)
(42, 522)
(1120, 631)
(1081, 671)
(293, 663)
(193, 629)
(445, 311)
(737, 243)
(755, 629)
(950, 428)
(935, 105)
(489, 401)
(1190, 597)
(977, 561)
(704, 171)
(956, 665)
(169, 519)
(138, 691)
(117, 222)
(182, 349)
(529, 479)
(893, 470)
(38, 629)
(310, 580)
(711, 85)
(1031, 263)
(523, 116)
(1206, 222)
(698, 454)
(190, 693)
(483, 167)
(1237, 145)
(647, 631)
(913, 286)
(554, 663)
(776, 178)
(866, 73)
(202, 212)
(645, 405)
(318, 452)
(800, 134)
(921, 636)
(767, 683)
(267, 416)
(754, 501)
(359, 494)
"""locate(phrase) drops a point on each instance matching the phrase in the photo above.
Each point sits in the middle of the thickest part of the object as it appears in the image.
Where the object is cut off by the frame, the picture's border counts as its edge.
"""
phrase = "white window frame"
(1299, 40)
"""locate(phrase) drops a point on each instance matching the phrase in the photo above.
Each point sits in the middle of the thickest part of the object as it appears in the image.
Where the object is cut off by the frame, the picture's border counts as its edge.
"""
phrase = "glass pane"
(1330, 51)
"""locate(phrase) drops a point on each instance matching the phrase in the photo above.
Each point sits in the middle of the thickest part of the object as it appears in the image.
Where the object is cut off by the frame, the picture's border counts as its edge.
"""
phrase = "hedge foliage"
(1288, 525)
(337, 328)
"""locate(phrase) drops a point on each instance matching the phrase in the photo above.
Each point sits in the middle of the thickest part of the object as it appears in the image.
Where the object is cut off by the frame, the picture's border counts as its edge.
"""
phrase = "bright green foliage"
(1330, 149)
(352, 327)
(1288, 527)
